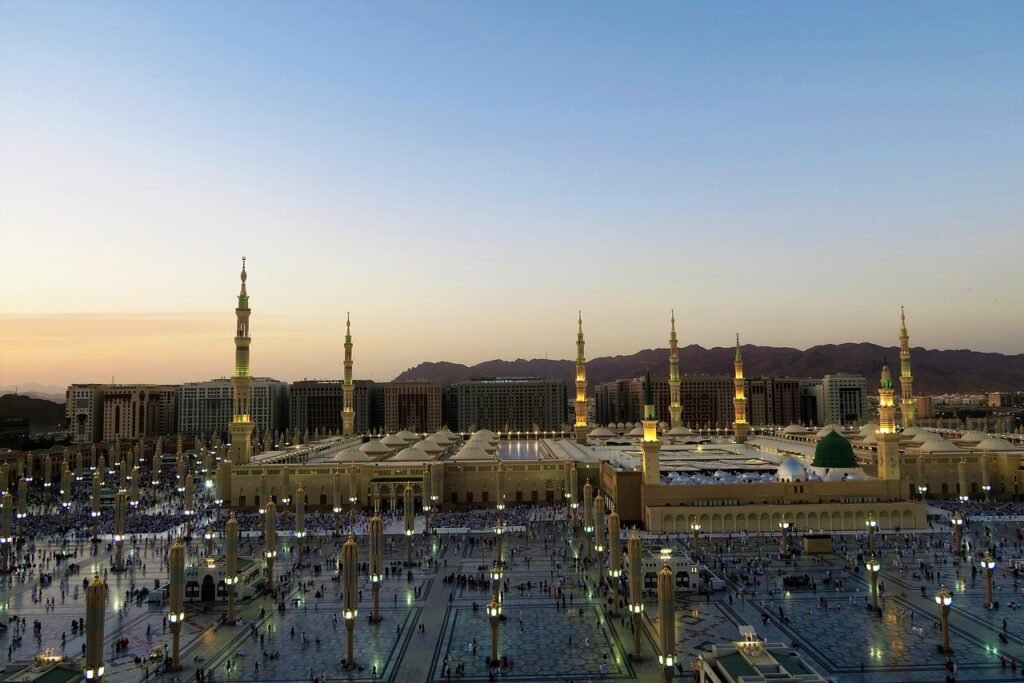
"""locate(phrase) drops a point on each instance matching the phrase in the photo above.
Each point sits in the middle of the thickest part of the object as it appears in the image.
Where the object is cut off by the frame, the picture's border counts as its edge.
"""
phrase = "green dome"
(834, 451)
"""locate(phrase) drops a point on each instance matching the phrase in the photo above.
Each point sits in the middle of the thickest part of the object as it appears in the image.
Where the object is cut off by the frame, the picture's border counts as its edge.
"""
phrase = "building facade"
(131, 411)
(844, 399)
(415, 406)
(84, 410)
(206, 407)
(517, 404)
(316, 404)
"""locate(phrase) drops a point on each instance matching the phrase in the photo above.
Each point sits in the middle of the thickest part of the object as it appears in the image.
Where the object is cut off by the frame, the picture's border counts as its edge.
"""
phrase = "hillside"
(935, 372)
(42, 415)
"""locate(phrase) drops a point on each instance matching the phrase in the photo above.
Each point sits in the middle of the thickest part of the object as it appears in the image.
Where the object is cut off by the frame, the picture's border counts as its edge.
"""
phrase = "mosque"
(661, 477)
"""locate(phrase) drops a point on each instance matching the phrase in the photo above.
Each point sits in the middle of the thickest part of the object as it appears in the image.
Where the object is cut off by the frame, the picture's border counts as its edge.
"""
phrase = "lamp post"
(270, 541)
(300, 521)
(599, 535)
(208, 540)
(95, 606)
(120, 503)
(988, 563)
(614, 558)
(588, 517)
(65, 489)
(231, 563)
(871, 524)
(350, 570)
(958, 521)
(97, 485)
(376, 561)
(784, 535)
(636, 595)
(570, 492)
(944, 599)
(177, 601)
(873, 566)
(409, 521)
(6, 532)
(922, 489)
(666, 616)
(337, 508)
(695, 528)
(494, 615)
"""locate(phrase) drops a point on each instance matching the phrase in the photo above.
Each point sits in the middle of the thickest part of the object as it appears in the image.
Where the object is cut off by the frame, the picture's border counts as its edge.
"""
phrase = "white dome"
(482, 444)
(795, 429)
(414, 454)
(912, 431)
(869, 439)
(620, 426)
(472, 452)
(429, 447)
(601, 433)
(393, 441)
(373, 448)
(441, 439)
(629, 425)
(994, 443)
(354, 454)
(824, 431)
(636, 431)
(485, 434)
(974, 435)
(936, 445)
(869, 428)
(408, 436)
(790, 469)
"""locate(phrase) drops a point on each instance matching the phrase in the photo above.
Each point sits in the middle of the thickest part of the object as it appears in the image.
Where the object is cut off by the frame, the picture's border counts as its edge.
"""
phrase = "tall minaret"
(650, 447)
(887, 438)
(348, 416)
(739, 401)
(675, 408)
(241, 424)
(580, 406)
(907, 406)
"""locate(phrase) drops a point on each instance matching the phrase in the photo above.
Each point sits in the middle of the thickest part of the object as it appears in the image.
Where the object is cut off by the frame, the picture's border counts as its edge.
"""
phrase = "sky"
(464, 176)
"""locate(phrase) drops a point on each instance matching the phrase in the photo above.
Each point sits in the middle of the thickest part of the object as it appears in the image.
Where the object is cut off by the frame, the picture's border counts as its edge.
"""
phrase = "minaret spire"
(887, 439)
(241, 425)
(347, 412)
(580, 406)
(675, 408)
(739, 402)
(907, 406)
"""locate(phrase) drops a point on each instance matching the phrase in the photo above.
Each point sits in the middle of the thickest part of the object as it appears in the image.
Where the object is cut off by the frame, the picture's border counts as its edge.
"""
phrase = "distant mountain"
(42, 415)
(48, 391)
(935, 372)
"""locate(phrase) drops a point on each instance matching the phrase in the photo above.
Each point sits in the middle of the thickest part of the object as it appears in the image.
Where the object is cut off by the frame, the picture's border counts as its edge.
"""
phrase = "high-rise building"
(84, 410)
(844, 397)
(131, 411)
(205, 407)
(316, 404)
(925, 407)
(415, 406)
(503, 404)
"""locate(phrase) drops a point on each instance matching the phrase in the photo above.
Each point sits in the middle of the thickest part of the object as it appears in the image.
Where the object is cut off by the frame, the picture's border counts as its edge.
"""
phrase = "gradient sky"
(462, 176)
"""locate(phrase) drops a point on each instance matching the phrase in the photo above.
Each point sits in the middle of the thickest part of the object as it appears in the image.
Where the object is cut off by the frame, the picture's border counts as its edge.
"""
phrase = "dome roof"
(485, 434)
(834, 450)
(829, 428)
(936, 445)
(373, 448)
(620, 426)
(869, 428)
(790, 469)
(994, 443)
(429, 447)
(407, 436)
(795, 429)
(482, 444)
(441, 439)
(472, 451)
(411, 453)
(974, 435)
(663, 425)
(393, 441)
(912, 431)
(680, 431)
(869, 439)
(636, 431)
(602, 433)
(354, 454)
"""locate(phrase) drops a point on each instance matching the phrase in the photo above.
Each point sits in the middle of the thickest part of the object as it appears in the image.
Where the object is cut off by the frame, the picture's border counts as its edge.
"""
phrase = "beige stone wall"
(805, 517)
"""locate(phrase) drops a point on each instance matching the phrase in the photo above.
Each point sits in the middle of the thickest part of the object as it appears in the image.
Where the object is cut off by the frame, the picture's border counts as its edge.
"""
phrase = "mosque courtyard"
(435, 626)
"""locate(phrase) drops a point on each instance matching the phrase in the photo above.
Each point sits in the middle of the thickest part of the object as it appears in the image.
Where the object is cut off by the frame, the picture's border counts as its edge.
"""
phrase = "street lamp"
(871, 524)
(695, 527)
(784, 540)
(873, 566)
(922, 489)
(944, 599)
(958, 521)
(494, 614)
(666, 616)
(988, 563)
(636, 598)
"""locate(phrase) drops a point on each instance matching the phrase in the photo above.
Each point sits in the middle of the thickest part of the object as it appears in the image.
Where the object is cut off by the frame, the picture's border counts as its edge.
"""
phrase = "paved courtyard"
(435, 624)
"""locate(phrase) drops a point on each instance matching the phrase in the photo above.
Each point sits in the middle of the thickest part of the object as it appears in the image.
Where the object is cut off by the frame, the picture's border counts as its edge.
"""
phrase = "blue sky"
(463, 176)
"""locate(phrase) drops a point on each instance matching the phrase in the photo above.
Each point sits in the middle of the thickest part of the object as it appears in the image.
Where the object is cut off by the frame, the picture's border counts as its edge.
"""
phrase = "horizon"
(464, 177)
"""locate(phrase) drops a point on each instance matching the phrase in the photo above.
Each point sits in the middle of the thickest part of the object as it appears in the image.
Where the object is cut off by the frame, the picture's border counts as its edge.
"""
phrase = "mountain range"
(43, 415)
(935, 371)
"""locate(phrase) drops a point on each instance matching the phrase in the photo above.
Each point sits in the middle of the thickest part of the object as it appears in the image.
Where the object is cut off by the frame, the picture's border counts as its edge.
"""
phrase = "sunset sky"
(464, 176)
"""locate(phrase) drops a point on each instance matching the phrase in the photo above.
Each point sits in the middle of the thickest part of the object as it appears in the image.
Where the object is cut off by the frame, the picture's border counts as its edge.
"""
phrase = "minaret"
(739, 401)
(888, 439)
(675, 408)
(907, 406)
(241, 420)
(650, 447)
(348, 415)
(580, 405)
